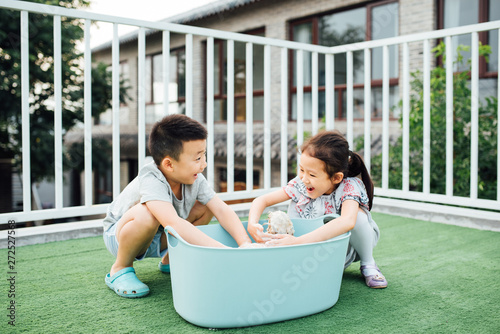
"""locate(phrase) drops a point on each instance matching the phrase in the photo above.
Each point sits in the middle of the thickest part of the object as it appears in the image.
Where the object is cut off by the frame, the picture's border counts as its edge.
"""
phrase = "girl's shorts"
(154, 250)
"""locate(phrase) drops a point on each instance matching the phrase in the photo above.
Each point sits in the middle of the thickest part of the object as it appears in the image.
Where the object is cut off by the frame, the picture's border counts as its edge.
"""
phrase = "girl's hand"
(256, 231)
(282, 240)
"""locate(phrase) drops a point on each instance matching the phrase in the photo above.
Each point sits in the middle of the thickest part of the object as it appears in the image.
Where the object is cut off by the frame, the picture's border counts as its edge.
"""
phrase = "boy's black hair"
(169, 134)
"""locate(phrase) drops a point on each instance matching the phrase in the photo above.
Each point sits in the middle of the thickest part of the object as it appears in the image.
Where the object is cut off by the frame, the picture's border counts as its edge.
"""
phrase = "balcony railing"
(448, 199)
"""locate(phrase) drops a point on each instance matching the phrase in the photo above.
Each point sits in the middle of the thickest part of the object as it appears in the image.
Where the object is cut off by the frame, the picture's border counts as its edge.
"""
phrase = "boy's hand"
(257, 233)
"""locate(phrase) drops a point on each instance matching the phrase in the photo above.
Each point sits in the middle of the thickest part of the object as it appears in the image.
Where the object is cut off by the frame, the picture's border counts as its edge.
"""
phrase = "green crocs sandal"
(126, 284)
(164, 268)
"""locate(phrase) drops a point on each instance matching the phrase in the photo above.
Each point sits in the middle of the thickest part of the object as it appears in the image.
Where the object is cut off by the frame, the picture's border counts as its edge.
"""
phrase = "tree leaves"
(41, 84)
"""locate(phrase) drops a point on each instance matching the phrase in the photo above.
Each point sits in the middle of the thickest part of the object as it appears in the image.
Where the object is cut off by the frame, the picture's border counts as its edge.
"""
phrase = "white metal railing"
(425, 195)
(88, 208)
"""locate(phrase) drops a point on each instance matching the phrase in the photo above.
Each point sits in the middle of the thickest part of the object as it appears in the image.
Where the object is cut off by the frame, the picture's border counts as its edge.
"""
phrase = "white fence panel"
(251, 126)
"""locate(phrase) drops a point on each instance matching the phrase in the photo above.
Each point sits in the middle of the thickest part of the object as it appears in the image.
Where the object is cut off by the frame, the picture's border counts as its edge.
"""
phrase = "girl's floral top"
(351, 188)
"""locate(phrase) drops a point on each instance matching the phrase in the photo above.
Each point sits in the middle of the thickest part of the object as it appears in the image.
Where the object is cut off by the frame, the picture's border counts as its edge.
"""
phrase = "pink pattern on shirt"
(329, 208)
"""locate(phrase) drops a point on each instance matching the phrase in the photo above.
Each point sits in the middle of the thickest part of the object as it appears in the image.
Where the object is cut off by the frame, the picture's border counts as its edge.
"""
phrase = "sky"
(151, 10)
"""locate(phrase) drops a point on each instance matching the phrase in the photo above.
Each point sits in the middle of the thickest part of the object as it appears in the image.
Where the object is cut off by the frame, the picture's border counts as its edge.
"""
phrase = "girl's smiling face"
(313, 175)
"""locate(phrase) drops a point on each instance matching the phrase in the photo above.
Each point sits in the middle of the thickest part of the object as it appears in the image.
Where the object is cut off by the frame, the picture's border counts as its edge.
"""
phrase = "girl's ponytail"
(357, 167)
(333, 149)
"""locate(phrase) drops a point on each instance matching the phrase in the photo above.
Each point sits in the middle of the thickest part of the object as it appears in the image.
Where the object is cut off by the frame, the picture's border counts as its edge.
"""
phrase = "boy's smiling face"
(191, 162)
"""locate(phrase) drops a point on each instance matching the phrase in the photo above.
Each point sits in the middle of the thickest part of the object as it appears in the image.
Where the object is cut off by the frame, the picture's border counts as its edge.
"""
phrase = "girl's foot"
(373, 277)
(164, 268)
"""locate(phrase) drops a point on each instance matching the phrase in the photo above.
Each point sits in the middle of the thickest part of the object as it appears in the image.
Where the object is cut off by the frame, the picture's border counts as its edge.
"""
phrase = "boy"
(169, 191)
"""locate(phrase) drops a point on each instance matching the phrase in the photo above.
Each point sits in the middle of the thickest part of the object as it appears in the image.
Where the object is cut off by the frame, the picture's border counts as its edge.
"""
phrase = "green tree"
(41, 95)
(41, 87)
(41, 83)
(461, 135)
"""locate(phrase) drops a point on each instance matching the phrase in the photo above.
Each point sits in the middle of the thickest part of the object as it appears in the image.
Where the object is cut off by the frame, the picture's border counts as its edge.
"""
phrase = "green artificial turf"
(442, 279)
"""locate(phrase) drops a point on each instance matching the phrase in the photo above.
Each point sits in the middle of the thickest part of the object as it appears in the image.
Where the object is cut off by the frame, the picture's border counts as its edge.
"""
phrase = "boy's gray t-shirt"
(151, 185)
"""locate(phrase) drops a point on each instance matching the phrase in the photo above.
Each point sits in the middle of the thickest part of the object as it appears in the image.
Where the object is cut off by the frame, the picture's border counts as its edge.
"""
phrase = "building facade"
(322, 22)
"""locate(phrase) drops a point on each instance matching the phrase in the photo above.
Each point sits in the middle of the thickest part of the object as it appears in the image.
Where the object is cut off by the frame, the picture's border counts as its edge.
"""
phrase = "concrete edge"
(49, 233)
(477, 219)
(471, 218)
(89, 228)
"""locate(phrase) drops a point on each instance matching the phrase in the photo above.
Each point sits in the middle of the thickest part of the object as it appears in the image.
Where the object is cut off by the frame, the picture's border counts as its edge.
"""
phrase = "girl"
(328, 183)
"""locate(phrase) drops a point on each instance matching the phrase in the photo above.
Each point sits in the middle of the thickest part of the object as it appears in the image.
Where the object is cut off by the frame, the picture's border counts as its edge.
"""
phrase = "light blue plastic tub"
(224, 288)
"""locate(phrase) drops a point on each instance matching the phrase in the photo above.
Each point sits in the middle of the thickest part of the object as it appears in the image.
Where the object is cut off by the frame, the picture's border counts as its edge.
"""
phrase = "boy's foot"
(126, 284)
(164, 268)
(376, 280)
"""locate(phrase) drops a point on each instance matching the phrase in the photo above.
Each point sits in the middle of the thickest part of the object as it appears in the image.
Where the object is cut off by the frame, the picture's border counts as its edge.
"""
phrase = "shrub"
(487, 178)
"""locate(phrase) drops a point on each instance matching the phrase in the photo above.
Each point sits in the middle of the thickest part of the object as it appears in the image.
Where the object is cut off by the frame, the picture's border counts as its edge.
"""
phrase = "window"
(455, 13)
(154, 85)
(374, 21)
(220, 80)
(106, 118)
(493, 15)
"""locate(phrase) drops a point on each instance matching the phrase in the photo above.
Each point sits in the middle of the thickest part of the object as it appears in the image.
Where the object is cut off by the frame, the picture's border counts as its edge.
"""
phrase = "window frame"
(339, 89)
(221, 96)
(150, 99)
(483, 12)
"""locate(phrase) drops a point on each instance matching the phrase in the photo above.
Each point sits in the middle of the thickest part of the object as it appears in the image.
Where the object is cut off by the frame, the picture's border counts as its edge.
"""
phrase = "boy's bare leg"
(200, 215)
(163, 243)
(134, 232)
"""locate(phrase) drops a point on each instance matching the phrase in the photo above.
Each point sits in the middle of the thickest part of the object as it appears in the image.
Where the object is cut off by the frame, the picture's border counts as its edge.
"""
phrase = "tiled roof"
(192, 15)
(207, 10)
(128, 144)
(220, 145)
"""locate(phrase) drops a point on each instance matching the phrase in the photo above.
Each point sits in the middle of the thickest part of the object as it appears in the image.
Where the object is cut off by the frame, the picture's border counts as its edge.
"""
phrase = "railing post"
(498, 121)
(427, 118)
(230, 116)
(249, 115)
(141, 117)
(58, 114)
(115, 49)
(368, 107)
(284, 116)
(166, 71)
(210, 111)
(267, 116)
(25, 111)
(449, 116)
(314, 93)
(189, 75)
(141, 107)
(474, 135)
(350, 99)
(385, 117)
(406, 118)
(87, 118)
(300, 100)
(329, 92)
